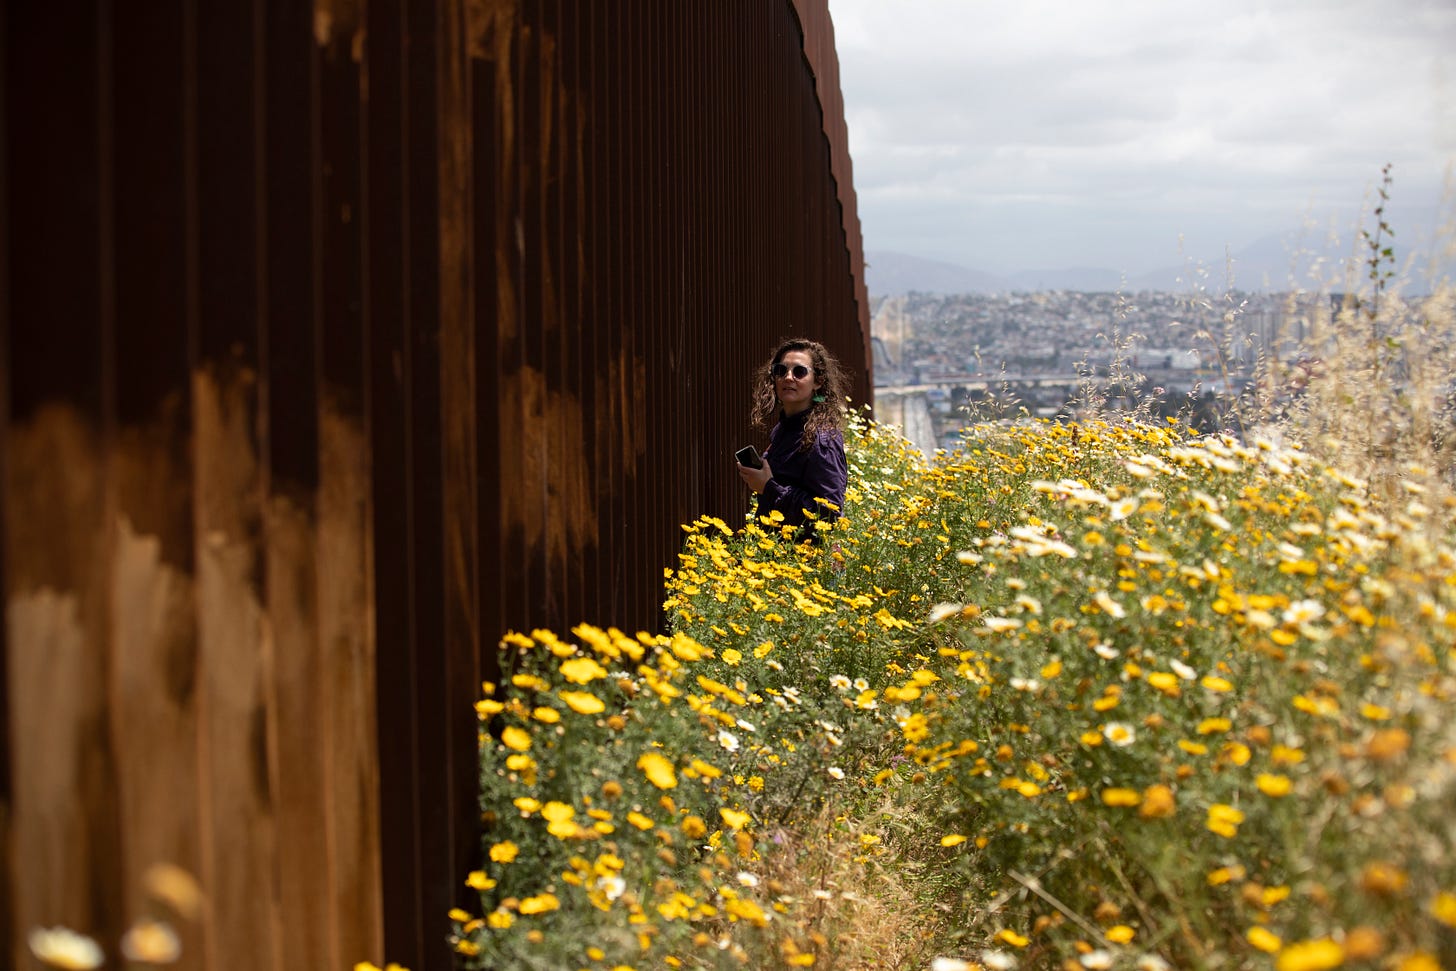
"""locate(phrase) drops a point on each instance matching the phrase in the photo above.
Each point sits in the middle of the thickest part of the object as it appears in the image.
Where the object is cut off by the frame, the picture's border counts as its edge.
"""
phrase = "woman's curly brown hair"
(828, 414)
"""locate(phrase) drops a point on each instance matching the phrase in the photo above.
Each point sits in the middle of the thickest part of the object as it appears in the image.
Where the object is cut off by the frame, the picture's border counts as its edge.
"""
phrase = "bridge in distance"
(980, 382)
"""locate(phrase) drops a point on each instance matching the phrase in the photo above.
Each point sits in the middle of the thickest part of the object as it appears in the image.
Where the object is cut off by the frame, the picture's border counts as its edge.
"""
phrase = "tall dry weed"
(1371, 389)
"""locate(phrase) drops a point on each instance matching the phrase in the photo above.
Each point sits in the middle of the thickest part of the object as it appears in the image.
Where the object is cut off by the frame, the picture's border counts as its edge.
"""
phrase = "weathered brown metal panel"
(154, 708)
(820, 52)
(345, 561)
(388, 148)
(61, 821)
(365, 332)
(8, 890)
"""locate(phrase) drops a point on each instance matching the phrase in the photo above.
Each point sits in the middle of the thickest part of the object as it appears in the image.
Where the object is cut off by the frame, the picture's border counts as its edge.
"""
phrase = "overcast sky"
(1040, 134)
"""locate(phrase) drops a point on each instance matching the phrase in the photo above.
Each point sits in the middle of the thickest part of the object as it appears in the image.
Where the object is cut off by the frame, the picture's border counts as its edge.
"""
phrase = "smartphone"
(748, 455)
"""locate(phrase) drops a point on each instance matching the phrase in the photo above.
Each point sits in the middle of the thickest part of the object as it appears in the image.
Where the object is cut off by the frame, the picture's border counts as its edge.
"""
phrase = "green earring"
(819, 399)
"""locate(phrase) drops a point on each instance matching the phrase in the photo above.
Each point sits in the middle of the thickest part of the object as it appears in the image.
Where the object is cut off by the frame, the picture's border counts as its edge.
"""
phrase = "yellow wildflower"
(1320, 954)
(1225, 874)
(1224, 820)
(582, 670)
(1387, 744)
(1011, 937)
(1236, 752)
(1158, 802)
(582, 702)
(733, 818)
(556, 811)
(740, 909)
(540, 904)
(1273, 785)
(1284, 755)
(1443, 908)
(1166, 682)
(658, 769)
(1121, 797)
(1264, 939)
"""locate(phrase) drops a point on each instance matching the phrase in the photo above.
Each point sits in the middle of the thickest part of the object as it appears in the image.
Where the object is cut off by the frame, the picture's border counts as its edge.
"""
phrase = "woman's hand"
(755, 479)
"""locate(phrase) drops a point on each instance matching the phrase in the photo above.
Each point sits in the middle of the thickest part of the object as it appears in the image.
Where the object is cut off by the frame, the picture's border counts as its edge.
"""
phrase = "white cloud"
(1051, 132)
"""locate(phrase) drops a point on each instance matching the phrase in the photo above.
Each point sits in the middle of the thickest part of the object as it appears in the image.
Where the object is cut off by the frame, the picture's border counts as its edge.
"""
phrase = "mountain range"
(1272, 263)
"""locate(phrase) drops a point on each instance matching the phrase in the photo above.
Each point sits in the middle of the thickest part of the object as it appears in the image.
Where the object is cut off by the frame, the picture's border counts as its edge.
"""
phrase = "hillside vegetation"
(1102, 696)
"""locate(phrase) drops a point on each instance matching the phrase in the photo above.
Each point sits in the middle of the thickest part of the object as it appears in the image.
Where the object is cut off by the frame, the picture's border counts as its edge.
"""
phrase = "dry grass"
(865, 908)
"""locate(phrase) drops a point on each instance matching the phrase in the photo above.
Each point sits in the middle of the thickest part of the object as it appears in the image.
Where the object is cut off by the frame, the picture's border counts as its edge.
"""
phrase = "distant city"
(943, 361)
(954, 344)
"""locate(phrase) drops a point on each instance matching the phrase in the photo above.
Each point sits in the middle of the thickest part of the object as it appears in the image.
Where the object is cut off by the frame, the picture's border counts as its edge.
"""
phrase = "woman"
(802, 387)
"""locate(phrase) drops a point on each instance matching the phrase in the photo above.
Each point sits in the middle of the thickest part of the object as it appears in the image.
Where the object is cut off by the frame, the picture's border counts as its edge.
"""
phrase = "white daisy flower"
(1304, 611)
(950, 964)
(1120, 734)
(998, 960)
(941, 611)
(62, 947)
(612, 887)
(1108, 606)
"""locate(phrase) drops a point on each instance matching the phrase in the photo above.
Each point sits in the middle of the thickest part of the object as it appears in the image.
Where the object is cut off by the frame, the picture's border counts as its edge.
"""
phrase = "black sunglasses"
(799, 371)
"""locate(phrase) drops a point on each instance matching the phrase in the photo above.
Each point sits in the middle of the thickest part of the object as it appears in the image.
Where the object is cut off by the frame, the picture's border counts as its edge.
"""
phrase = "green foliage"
(1101, 694)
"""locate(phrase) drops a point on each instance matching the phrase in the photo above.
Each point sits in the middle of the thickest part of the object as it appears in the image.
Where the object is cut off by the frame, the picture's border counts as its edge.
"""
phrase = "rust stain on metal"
(561, 469)
(48, 459)
(339, 19)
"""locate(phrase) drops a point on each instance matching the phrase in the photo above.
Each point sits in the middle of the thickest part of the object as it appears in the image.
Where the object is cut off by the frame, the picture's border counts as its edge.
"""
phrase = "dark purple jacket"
(802, 473)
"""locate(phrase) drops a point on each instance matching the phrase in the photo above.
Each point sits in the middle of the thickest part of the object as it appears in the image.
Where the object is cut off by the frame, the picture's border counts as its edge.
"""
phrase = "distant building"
(1168, 359)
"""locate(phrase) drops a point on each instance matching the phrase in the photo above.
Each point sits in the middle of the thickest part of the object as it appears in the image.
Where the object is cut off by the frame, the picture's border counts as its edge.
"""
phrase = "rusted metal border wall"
(823, 59)
(334, 342)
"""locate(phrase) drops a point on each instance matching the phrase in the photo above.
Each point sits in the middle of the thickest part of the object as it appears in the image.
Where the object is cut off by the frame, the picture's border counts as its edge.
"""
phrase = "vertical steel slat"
(153, 625)
(289, 166)
(239, 701)
(458, 539)
(62, 826)
(490, 291)
(391, 415)
(434, 743)
(606, 266)
(349, 648)
(7, 756)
